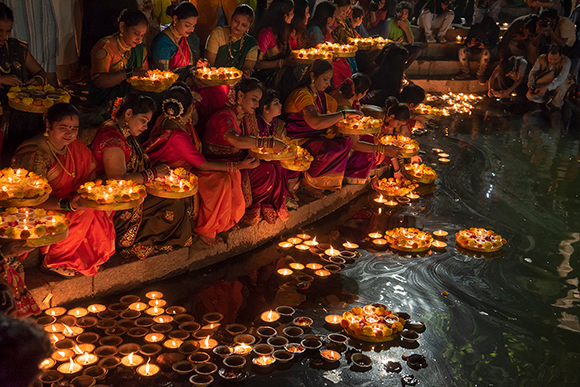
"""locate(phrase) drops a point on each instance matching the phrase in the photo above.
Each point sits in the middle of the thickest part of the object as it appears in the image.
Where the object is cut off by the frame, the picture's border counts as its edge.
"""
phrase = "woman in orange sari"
(174, 142)
(67, 163)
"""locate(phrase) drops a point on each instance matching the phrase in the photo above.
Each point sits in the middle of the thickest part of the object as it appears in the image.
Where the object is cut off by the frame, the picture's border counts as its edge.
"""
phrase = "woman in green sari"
(232, 46)
(118, 57)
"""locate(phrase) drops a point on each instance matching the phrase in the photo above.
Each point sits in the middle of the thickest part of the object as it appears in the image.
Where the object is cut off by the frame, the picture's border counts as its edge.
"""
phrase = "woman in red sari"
(227, 138)
(67, 163)
(174, 142)
(157, 225)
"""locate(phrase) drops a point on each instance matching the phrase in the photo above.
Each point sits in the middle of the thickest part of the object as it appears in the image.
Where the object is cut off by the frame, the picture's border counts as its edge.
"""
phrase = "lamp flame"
(130, 358)
(71, 365)
(206, 342)
(68, 330)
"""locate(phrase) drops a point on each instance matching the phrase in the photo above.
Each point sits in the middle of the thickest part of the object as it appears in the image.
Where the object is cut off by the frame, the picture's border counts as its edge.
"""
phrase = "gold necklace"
(174, 37)
(123, 52)
(54, 153)
(316, 96)
(230, 41)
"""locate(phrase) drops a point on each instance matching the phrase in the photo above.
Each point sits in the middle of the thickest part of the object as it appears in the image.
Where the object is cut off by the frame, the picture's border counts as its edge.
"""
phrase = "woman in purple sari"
(310, 112)
(228, 136)
(366, 153)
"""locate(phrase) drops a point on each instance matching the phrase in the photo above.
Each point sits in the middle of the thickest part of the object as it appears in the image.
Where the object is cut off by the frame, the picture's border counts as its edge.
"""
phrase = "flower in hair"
(171, 112)
(116, 106)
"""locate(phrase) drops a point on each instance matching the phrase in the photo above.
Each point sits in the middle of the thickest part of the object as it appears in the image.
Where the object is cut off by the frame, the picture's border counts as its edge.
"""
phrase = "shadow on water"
(509, 320)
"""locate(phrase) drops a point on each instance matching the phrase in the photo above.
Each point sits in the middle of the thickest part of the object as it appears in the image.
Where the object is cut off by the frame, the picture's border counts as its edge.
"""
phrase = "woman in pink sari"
(67, 163)
(227, 138)
(174, 142)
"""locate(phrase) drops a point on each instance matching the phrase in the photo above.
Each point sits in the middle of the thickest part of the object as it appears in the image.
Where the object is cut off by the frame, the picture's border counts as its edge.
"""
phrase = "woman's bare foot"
(211, 241)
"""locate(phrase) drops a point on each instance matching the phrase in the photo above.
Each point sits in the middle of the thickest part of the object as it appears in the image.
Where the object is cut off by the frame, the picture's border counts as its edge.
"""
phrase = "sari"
(91, 233)
(267, 183)
(340, 67)
(231, 54)
(106, 48)
(157, 225)
(182, 55)
(12, 272)
(222, 201)
(330, 155)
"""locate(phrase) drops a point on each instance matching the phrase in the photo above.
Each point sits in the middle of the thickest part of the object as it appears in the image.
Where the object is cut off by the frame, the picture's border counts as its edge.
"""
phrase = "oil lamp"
(296, 265)
(55, 312)
(155, 311)
(314, 266)
(159, 303)
(270, 316)
(154, 295)
(148, 370)
(131, 360)
(285, 245)
(208, 343)
(163, 319)
(303, 236)
(96, 308)
(69, 368)
(62, 354)
(375, 235)
(78, 312)
(86, 359)
(47, 363)
(440, 233)
(242, 349)
(294, 241)
(380, 199)
(302, 247)
(154, 337)
(284, 272)
(172, 344)
(139, 306)
(349, 246)
(311, 243)
(332, 252)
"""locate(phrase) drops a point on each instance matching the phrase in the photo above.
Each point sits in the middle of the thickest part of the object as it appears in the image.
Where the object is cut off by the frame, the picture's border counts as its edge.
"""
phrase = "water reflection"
(510, 319)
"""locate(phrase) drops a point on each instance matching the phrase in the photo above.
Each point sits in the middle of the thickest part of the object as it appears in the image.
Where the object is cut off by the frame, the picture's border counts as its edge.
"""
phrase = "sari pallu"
(12, 273)
(326, 171)
(91, 233)
(360, 164)
(265, 186)
(222, 202)
(157, 225)
(182, 55)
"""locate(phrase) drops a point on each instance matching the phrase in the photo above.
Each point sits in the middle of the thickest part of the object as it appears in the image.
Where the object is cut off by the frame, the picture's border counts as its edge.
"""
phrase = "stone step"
(427, 68)
(446, 85)
(119, 275)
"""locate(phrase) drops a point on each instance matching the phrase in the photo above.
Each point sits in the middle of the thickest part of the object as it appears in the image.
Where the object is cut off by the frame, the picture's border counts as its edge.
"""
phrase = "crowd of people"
(209, 130)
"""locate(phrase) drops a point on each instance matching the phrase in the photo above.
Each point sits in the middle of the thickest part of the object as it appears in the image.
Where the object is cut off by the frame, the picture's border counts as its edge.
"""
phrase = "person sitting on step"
(436, 15)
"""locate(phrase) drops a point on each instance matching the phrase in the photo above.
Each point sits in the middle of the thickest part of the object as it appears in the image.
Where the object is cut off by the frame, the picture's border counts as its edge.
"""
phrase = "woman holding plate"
(157, 224)
(67, 163)
(228, 137)
(175, 142)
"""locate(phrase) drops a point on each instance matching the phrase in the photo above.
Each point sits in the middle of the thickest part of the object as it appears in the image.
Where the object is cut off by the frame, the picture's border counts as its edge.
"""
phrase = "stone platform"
(118, 275)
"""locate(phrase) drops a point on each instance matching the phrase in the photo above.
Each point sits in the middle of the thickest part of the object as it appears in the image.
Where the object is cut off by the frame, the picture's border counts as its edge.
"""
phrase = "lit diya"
(154, 337)
(284, 272)
(54, 337)
(413, 196)
(332, 252)
(263, 361)
(69, 368)
(78, 312)
(159, 303)
(72, 331)
(375, 235)
(303, 236)
(242, 349)
(380, 199)
(208, 343)
(86, 359)
(270, 316)
(296, 265)
(350, 246)
(154, 295)
(380, 242)
(79, 349)
(438, 244)
(303, 321)
(163, 319)
(155, 311)
(96, 308)
(55, 312)
(330, 355)
(285, 245)
(47, 363)
(154, 80)
(440, 233)
(443, 155)
(322, 273)
(409, 239)
(294, 241)
(62, 355)
(437, 150)
(172, 344)
(311, 243)
(444, 160)
(132, 360)
(139, 306)
(54, 328)
(302, 247)
(148, 370)
(314, 266)
(333, 319)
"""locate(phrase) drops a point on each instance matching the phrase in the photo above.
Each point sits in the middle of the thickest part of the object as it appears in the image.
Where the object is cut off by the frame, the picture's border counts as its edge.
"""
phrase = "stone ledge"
(446, 85)
(48, 290)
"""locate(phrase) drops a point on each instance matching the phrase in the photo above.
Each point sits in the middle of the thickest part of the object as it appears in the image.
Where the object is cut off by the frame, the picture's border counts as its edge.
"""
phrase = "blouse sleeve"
(215, 40)
(162, 48)
(303, 99)
(331, 104)
(100, 58)
(266, 40)
(32, 159)
(253, 54)
(111, 139)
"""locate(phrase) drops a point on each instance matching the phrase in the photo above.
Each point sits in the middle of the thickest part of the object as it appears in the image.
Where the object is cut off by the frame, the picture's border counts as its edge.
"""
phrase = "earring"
(126, 131)
(46, 133)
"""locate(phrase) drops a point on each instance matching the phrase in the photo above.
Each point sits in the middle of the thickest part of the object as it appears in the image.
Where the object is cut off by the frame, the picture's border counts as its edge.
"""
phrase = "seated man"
(481, 39)
(399, 30)
(436, 15)
(515, 40)
(550, 77)
(509, 77)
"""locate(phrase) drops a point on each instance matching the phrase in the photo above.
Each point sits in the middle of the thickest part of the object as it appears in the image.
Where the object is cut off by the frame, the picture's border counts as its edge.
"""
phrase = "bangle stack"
(381, 148)
(40, 78)
(231, 167)
(65, 205)
(265, 142)
(149, 175)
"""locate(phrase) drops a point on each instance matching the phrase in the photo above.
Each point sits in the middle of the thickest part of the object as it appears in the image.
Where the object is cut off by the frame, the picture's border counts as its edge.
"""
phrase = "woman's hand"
(10, 80)
(398, 175)
(279, 145)
(162, 170)
(201, 62)
(391, 151)
(15, 249)
(77, 203)
(249, 163)
(139, 72)
(416, 160)
(196, 96)
(353, 113)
